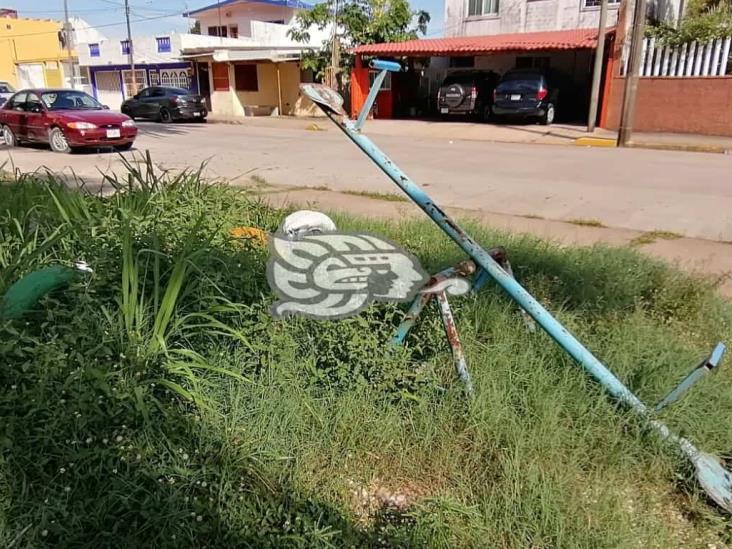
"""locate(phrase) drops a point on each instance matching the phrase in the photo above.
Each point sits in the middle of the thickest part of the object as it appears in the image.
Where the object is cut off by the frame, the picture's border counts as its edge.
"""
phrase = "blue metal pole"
(373, 92)
(558, 332)
(696, 374)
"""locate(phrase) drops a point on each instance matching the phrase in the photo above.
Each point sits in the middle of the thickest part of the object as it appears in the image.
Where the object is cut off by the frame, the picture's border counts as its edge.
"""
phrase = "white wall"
(145, 50)
(540, 15)
(523, 16)
(242, 14)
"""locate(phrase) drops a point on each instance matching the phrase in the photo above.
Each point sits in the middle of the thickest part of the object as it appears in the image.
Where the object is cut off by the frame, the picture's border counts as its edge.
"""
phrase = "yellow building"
(31, 53)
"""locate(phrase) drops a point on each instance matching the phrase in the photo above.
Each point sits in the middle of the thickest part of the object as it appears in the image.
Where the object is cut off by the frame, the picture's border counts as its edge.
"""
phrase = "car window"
(158, 92)
(144, 93)
(69, 100)
(33, 103)
(177, 91)
(520, 81)
(17, 101)
(462, 79)
(6, 88)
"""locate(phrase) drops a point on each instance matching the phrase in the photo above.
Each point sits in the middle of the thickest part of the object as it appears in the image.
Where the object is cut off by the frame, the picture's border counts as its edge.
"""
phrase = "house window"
(486, 7)
(218, 31)
(140, 82)
(462, 62)
(125, 45)
(163, 44)
(220, 77)
(596, 3)
(246, 78)
(233, 31)
(277, 21)
(94, 50)
(154, 78)
(386, 85)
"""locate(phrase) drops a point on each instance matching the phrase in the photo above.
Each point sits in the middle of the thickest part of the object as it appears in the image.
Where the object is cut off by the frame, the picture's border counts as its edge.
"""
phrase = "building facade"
(157, 62)
(483, 17)
(32, 53)
(244, 59)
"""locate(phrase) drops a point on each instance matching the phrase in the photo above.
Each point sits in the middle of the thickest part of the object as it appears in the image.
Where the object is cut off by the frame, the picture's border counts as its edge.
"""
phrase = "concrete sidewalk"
(712, 260)
(530, 133)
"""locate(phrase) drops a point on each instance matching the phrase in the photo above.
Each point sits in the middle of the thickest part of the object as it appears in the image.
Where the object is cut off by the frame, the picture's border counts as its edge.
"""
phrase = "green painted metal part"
(23, 295)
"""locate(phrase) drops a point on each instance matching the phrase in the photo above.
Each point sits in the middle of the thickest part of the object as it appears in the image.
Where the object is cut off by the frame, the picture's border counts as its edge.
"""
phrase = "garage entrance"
(568, 55)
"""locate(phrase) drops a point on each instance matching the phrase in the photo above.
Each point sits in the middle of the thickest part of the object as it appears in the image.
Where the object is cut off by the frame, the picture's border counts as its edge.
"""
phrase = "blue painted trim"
(296, 4)
(146, 66)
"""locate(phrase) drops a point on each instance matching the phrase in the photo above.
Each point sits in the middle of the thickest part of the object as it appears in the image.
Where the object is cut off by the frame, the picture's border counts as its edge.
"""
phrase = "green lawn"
(158, 404)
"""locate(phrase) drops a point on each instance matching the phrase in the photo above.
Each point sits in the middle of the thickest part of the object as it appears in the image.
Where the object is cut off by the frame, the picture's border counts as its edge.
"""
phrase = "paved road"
(688, 193)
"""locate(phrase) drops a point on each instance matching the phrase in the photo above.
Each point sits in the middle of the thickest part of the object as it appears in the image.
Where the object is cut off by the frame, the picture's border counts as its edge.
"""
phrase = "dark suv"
(467, 94)
(527, 93)
(165, 104)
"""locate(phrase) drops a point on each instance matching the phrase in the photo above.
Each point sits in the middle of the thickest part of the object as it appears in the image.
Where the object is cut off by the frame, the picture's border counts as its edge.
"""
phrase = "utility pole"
(597, 69)
(627, 115)
(335, 54)
(130, 51)
(68, 33)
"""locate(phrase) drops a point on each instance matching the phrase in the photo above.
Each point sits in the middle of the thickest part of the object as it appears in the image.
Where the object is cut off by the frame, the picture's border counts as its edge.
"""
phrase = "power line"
(106, 25)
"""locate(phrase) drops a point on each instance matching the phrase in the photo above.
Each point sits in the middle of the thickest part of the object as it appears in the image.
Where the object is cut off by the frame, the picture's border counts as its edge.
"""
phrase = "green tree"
(359, 22)
(703, 20)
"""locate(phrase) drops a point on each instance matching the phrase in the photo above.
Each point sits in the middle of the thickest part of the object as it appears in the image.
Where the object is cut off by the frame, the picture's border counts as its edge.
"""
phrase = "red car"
(65, 119)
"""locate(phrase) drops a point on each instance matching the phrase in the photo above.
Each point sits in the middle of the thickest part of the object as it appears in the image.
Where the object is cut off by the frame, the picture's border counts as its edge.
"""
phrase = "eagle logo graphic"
(336, 275)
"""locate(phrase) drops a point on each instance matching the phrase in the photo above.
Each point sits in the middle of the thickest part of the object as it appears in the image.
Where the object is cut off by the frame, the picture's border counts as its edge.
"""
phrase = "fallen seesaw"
(714, 479)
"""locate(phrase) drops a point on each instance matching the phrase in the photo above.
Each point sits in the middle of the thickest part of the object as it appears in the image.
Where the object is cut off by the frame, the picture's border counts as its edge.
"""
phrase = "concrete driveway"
(683, 192)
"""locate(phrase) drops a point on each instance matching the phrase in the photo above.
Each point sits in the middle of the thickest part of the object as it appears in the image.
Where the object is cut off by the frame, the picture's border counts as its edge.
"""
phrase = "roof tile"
(527, 41)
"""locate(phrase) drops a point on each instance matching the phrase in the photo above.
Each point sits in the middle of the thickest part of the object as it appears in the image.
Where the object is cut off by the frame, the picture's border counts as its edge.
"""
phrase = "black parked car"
(527, 93)
(165, 104)
(467, 93)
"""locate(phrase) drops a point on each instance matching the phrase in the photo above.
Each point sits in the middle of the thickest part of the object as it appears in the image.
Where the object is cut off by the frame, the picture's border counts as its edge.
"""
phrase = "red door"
(14, 111)
(35, 119)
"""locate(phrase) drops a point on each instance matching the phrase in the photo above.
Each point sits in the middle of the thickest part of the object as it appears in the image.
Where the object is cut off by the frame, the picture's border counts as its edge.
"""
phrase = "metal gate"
(30, 75)
(109, 88)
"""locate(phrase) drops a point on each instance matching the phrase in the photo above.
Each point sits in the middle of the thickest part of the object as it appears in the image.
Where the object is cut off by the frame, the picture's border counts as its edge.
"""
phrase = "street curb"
(595, 142)
(681, 147)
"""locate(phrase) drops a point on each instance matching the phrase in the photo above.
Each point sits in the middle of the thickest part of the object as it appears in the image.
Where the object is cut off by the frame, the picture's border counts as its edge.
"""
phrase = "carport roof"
(498, 43)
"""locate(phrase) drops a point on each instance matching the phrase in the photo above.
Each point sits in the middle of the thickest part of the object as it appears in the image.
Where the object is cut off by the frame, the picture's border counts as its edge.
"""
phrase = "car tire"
(164, 116)
(9, 137)
(57, 141)
(122, 148)
(549, 114)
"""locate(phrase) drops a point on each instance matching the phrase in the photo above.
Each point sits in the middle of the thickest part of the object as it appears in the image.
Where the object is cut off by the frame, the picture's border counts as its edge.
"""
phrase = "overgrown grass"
(651, 236)
(158, 404)
(389, 197)
(586, 222)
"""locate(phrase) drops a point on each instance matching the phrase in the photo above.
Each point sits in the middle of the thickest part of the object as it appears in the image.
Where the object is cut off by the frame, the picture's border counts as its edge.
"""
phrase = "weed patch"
(158, 403)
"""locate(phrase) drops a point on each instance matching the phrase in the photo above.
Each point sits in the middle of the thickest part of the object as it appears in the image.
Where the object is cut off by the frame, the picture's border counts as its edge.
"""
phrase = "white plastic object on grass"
(304, 222)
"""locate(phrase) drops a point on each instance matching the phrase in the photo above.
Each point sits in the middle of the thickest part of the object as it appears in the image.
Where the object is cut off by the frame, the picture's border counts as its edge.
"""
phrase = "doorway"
(204, 86)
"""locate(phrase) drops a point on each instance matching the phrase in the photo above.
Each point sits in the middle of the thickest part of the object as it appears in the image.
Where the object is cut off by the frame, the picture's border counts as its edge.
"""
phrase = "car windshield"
(519, 82)
(6, 88)
(69, 100)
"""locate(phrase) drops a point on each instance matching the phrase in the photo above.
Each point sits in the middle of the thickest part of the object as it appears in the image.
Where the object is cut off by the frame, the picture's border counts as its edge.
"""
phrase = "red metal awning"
(498, 43)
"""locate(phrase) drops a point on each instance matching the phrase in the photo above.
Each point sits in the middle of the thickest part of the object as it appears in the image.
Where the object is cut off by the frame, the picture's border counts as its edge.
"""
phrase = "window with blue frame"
(125, 44)
(163, 44)
(94, 50)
